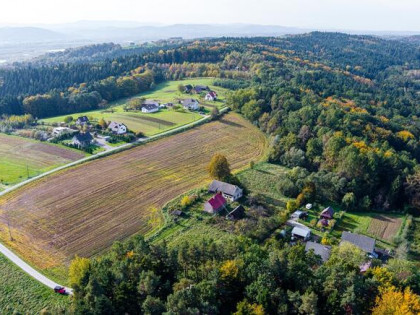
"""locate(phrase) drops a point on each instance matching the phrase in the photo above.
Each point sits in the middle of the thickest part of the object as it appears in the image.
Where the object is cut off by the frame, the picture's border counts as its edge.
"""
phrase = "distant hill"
(99, 32)
(28, 35)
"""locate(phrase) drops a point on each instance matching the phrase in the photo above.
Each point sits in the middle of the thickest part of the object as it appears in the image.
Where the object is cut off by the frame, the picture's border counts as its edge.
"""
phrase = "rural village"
(216, 177)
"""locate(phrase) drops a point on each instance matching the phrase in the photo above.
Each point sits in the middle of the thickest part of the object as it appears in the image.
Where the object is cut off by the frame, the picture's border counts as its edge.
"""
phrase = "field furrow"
(83, 210)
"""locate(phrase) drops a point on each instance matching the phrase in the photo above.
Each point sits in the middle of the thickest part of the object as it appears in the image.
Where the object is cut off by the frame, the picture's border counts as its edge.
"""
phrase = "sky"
(377, 15)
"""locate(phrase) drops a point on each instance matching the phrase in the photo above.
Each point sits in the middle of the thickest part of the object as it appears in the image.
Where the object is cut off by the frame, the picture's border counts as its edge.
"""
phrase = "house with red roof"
(215, 204)
(211, 96)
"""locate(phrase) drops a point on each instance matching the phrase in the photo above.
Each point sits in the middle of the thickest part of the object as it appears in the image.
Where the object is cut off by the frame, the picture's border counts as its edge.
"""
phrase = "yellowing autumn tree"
(405, 135)
(394, 302)
(78, 269)
(229, 270)
(219, 167)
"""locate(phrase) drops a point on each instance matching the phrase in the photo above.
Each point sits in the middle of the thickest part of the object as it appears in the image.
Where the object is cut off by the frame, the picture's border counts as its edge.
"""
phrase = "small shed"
(301, 233)
(299, 215)
(236, 214)
(327, 213)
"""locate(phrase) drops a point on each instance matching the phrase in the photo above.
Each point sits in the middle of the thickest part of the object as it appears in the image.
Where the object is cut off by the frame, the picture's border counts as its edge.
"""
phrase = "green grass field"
(21, 158)
(263, 180)
(381, 226)
(153, 123)
(21, 294)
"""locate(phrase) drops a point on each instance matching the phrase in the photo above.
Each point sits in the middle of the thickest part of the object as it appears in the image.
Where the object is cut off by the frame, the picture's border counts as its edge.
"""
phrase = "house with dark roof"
(117, 128)
(190, 104)
(201, 88)
(236, 214)
(229, 191)
(365, 243)
(215, 204)
(321, 250)
(82, 120)
(188, 88)
(150, 106)
(327, 213)
(82, 140)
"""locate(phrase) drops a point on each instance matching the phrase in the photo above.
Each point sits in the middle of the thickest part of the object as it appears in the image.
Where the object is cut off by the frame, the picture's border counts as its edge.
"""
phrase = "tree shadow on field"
(383, 218)
(231, 123)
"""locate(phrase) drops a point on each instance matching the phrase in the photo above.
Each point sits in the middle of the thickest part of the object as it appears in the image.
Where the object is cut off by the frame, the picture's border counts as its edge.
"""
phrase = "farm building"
(211, 96)
(365, 243)
(229, 191)
(215, 204)
(236, 214)
(190, 104)
(117, 128)
(82, 140)
(82, 120)
(301, 233)
(298, 214)
(327, 213)
(201, 88)
(322, 250)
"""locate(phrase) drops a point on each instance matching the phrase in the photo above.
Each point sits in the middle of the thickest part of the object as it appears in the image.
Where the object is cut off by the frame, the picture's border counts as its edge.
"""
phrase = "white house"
(211, 96)
(191, 104)
(58, 131)
(117, 128)
(150, 106)
(229, 191)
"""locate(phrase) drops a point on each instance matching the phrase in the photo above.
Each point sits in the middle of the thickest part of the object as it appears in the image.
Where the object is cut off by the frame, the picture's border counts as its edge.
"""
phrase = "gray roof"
(300, 231)
(150, 102)
(322, 250)
(83, 137)
(228, 189)
(329, 211)
(150, 106)
(189, 102)
(365, 243)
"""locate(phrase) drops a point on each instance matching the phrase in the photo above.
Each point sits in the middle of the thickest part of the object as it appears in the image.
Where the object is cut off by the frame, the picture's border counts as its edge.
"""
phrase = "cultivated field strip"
(84, 209)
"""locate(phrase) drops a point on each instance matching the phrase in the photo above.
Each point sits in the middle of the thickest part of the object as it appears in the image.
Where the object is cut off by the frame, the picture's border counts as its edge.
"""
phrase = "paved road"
(29, 270)
(141, 140)
(24, 266)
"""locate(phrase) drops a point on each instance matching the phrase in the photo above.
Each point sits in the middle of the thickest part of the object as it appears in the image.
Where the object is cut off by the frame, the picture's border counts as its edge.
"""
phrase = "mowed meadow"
(20, 157)
(83, 210)
(153, 123)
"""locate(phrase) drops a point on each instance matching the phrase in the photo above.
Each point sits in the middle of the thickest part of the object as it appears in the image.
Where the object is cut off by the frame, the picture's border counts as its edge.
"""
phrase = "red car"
(60, 290)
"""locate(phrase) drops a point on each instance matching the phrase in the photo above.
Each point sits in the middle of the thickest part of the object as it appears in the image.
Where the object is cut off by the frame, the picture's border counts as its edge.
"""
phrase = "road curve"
(29, 270)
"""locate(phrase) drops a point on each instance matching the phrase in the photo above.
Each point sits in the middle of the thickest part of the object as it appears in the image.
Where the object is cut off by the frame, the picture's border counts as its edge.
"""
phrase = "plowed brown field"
(83, 210)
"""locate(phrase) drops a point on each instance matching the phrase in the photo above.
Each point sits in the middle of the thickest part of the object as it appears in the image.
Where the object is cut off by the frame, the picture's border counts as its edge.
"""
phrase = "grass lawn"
(153, 123)
(263, 179)
(21, 158)
(381, 226)
(194, 223)
(22, 294)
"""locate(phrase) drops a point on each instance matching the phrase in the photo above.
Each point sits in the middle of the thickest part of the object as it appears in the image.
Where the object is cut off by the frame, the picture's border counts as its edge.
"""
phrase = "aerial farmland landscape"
(233, 158)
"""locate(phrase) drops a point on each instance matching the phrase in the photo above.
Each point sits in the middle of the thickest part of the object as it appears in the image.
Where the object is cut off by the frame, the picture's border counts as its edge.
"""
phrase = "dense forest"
(341, 111)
